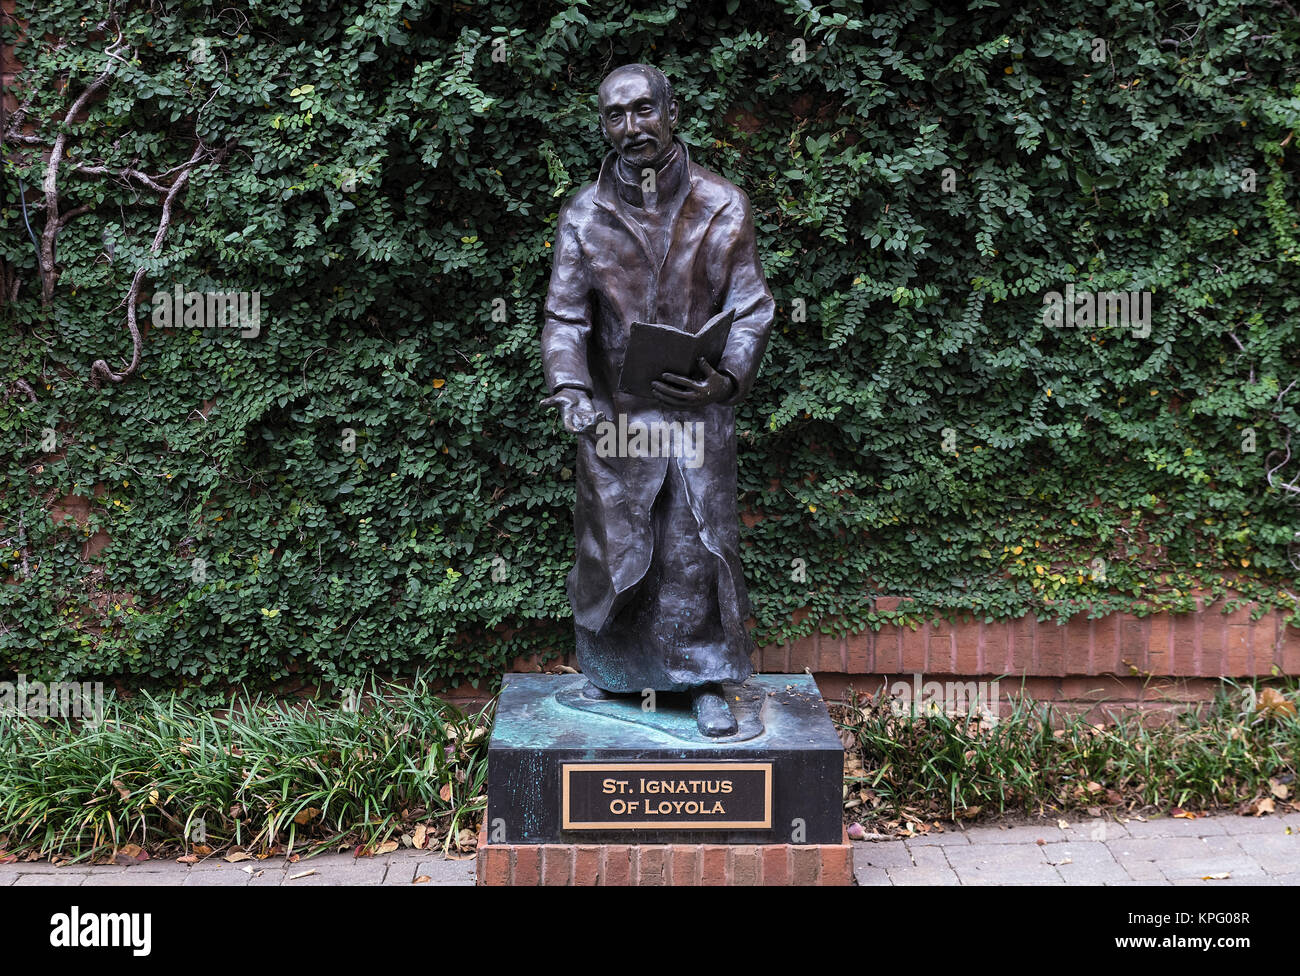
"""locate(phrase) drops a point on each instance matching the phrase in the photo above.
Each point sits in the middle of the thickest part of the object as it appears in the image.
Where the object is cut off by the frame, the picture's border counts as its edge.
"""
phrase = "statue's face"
(638, 125)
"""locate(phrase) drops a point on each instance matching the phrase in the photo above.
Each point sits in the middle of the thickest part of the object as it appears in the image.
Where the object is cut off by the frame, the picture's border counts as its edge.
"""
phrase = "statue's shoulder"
(579, 203)
(717, 191)
(579, 207)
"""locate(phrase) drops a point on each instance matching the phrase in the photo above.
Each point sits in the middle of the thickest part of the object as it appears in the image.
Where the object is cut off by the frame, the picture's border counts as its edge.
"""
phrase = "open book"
(654, 349)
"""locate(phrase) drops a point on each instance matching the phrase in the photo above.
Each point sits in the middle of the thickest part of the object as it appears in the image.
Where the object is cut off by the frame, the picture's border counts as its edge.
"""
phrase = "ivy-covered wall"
(363, 478)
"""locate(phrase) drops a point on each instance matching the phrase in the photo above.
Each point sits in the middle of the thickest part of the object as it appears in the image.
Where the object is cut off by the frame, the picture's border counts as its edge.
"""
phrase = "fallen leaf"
(202, 850)
(1063, 824)
(422, 879)
(387, 847)
(302, 874)
(1279, 790)
(187, 859)
(1222, 875)
(234, 857)
(306, 816)
(1257, 807)
(1182, 814)
(420, 836)
(445, 793)
(1274, 703)
(1040, 842)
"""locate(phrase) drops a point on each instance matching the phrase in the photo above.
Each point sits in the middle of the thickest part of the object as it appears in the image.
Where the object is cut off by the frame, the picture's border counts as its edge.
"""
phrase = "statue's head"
(638, 113)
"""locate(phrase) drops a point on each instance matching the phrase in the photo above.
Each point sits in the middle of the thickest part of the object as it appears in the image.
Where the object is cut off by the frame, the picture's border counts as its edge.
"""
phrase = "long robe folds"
(657, 590)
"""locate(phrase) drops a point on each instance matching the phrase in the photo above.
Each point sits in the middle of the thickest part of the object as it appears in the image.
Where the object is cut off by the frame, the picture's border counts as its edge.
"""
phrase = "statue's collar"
(672, 179)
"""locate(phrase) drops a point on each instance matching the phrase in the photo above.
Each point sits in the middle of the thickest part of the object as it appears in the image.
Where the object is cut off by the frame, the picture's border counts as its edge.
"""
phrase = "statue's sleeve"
(747, 293)
(568, 312)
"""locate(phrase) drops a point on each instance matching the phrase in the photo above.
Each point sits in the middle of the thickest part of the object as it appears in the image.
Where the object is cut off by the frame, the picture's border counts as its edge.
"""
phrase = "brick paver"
(1207, 851)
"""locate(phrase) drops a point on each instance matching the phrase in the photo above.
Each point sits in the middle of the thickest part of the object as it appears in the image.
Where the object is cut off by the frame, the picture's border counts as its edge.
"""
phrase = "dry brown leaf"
(420, 836)
(387, 847)
(187, 859)
(1221, 876)
(234, 857)
(445, 793)
(306, 816)
(1279, 790)
(422, 879)
(1257, 807)
(1275, 703)
(1182, 814)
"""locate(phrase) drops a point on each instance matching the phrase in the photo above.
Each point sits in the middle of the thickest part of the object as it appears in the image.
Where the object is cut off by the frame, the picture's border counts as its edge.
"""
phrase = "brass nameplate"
(683, 796)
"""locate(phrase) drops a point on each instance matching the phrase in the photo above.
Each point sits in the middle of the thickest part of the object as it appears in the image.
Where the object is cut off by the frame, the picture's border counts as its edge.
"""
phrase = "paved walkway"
(1223, 850)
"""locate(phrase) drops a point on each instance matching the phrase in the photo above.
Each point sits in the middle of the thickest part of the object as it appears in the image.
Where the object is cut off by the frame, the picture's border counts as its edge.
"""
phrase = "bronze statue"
(657, 590)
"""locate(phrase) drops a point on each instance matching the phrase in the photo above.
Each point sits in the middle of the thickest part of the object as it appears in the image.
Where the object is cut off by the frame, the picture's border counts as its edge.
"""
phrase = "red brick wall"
(1159, 662)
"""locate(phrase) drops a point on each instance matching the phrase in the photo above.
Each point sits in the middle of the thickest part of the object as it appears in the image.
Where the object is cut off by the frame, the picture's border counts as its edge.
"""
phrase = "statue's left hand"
(682, 391)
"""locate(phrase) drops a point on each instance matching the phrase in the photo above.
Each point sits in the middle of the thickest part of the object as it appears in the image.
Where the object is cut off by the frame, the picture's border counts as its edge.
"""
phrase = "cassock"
(657, 590)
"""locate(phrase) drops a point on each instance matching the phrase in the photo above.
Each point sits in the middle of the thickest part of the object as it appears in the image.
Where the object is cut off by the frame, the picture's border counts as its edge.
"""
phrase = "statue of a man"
(657, 590)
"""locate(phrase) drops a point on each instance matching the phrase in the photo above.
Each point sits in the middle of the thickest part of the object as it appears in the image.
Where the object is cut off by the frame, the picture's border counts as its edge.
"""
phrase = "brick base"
(665, 864)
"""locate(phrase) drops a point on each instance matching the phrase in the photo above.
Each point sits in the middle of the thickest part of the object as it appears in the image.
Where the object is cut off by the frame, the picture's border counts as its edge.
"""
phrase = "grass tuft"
(905, 769)
(261, 775)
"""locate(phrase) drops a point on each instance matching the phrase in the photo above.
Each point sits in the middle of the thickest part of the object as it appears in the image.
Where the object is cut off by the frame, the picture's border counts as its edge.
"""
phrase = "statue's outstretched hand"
(682, 391)
(577, 412)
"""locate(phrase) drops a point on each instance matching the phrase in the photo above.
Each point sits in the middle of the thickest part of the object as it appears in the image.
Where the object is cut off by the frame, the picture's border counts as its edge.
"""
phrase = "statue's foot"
(712, 714)
(594, 693)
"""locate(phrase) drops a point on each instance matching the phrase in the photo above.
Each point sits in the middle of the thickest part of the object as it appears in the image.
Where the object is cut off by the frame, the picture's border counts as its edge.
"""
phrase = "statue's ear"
(672, 113)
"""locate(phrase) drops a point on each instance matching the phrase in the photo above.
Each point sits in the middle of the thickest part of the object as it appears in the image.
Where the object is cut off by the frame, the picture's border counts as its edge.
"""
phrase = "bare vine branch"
(54, 221)
(100, 370)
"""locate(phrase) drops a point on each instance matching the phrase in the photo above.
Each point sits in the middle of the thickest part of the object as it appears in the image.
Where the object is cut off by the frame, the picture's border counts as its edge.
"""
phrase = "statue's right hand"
(577, 411)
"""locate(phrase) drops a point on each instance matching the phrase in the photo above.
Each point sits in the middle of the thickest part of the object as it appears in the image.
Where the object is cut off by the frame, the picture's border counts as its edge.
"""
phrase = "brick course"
(1149, 662)
(656, 865)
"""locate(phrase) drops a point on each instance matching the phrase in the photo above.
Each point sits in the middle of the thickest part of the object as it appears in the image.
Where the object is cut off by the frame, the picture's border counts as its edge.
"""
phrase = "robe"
(657, 588)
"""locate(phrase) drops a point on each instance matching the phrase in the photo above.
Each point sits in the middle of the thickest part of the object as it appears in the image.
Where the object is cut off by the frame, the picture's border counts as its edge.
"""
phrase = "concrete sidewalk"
(1222, 850)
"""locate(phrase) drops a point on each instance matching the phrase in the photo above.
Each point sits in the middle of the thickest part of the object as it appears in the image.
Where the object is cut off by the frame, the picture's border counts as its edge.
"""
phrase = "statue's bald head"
(638, 113)
(659, 84)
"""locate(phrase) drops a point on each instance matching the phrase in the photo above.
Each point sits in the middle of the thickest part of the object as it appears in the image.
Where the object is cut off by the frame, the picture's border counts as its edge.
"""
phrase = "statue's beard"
(636, 161)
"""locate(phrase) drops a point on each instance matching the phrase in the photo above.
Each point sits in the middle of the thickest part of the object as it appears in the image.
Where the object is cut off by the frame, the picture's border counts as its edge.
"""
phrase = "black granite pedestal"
(563, 769)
